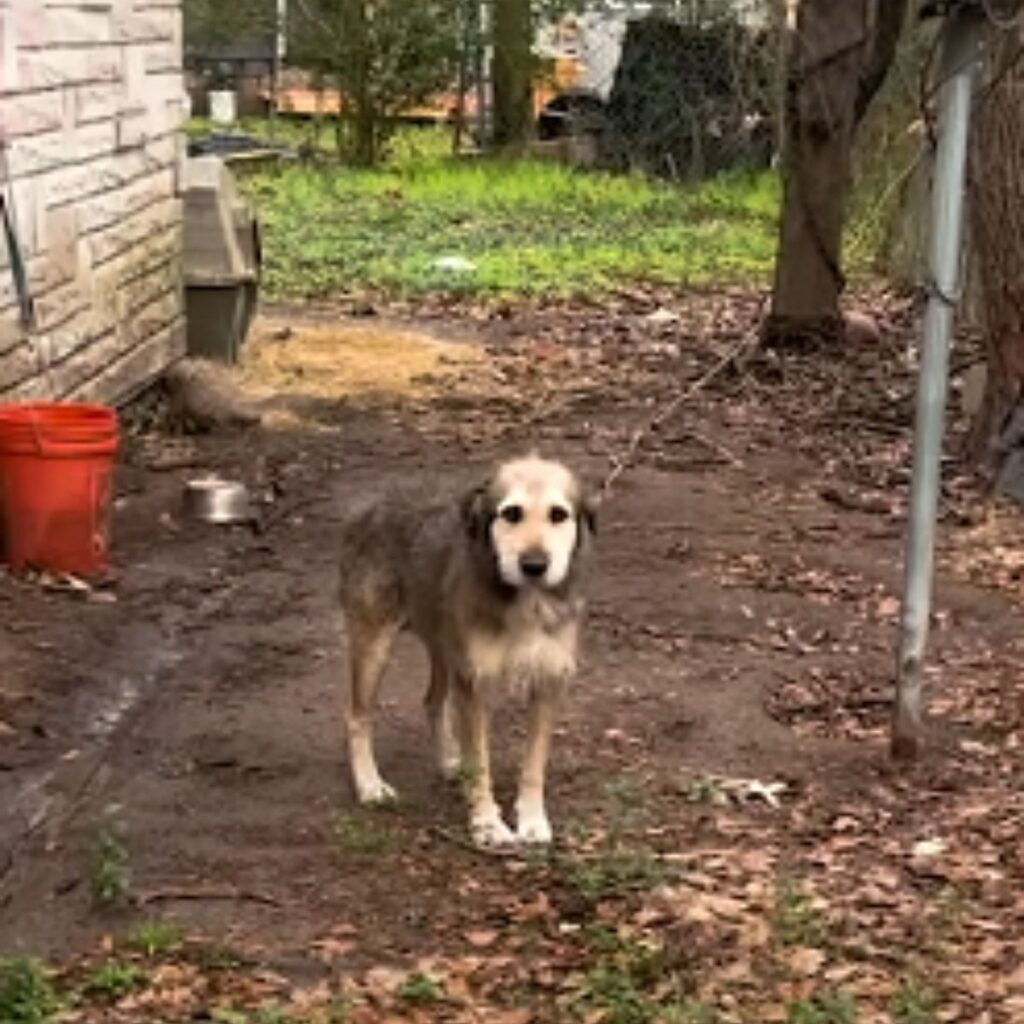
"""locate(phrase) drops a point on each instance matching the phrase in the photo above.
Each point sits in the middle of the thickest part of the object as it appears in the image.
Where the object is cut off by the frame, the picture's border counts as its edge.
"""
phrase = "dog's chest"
(534, 642)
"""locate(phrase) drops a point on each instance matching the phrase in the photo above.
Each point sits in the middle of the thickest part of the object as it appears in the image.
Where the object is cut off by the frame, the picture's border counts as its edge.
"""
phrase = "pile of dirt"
(354, 360)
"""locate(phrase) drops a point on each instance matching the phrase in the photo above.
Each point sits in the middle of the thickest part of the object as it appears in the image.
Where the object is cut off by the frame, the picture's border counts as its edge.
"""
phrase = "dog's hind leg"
(486, 824)
(532, 825)
(370, 644)
(439, 715)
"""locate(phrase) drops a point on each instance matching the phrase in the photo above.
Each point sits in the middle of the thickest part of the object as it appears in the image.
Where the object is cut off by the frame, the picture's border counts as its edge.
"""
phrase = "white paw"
(532, 826)
(489, 830)
(451, 768)
(375, 792)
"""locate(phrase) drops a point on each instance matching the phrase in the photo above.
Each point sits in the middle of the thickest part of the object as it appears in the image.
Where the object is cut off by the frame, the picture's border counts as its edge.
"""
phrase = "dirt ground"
(743, 626)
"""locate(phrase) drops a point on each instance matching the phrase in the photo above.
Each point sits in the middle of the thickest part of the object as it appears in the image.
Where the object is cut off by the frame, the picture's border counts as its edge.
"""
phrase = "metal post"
(961, 51)
(484, 74)
(280, 49)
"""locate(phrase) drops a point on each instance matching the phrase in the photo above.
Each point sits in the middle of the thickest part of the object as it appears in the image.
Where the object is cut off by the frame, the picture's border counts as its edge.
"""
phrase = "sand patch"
(351, 360)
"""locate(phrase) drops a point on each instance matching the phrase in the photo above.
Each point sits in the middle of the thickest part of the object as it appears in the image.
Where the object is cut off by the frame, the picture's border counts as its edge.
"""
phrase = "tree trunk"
(512, 73)
(997, 230)
(363, 112)
(839, 58)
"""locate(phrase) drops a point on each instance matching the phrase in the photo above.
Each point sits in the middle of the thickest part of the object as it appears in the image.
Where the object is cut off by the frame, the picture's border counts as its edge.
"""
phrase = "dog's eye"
(558, 514)
(512, 514)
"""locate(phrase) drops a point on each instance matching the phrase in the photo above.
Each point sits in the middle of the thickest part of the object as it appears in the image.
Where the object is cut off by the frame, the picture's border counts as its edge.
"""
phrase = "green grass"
(151, 938)
(915, 1003)
(26, 993)
(529, 227)
(825, 1008)
(359, 835)
(407, 145)
(420, 990)
(113, 980)
(613, 873)
(109, 867)
(796, 921)
(631, 983)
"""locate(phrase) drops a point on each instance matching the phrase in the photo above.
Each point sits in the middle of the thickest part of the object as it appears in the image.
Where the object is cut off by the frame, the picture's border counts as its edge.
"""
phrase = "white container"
(223, 106)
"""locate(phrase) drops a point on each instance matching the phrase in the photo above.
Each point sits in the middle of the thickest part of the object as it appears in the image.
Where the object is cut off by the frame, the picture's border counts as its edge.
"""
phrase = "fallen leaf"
(805, 961)
(481, 939)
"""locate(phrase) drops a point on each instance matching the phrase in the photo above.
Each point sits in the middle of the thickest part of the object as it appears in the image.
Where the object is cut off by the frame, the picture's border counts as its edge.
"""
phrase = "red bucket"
(56, 471)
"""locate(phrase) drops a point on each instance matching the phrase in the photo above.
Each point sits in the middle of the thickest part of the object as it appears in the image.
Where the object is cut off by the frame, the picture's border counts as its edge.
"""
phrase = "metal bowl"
(214, 500)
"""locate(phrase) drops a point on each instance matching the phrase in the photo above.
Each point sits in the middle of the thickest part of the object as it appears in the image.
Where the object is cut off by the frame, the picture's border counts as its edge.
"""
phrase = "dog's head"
(534, 519)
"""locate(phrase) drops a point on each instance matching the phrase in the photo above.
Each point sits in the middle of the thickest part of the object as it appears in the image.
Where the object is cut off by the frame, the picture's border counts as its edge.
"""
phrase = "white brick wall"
(91, 105)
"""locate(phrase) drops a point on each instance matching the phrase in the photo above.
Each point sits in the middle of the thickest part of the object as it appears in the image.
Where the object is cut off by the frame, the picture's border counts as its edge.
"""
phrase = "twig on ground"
(200, 895)
(716, 447)
(621, 463)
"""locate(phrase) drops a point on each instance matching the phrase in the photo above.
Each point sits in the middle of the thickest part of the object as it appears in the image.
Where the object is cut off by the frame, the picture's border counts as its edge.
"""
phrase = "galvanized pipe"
(961, 53)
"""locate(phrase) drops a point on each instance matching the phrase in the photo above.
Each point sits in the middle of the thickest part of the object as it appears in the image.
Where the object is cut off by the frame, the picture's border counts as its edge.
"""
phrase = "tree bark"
(512, 73)
(838, 62)
(364, 118)
(997, 229)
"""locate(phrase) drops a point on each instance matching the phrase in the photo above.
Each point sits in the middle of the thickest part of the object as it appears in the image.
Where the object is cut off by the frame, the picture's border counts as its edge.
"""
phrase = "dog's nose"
(534, 564)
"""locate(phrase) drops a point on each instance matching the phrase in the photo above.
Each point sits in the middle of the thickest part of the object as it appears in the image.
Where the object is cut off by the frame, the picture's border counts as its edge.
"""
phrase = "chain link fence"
(678, 91)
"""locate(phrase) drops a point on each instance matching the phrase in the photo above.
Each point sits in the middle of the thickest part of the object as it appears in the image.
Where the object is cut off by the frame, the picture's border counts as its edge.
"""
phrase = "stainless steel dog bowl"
(214, 500)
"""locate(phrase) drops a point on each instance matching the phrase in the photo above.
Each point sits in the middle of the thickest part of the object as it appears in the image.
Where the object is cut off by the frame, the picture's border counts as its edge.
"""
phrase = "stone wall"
(91, 150)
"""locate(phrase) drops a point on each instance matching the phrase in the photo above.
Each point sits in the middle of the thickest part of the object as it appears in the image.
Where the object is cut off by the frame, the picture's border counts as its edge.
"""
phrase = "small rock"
(928, 848)
(860, 329)
(662, 316)
(454, 265)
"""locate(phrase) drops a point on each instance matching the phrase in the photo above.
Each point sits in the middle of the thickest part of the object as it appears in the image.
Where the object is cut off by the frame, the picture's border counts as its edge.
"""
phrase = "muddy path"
(742, 628)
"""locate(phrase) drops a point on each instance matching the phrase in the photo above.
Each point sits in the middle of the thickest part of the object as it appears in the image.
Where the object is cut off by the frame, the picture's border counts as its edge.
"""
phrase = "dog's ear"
(588, 508)
(476, 510)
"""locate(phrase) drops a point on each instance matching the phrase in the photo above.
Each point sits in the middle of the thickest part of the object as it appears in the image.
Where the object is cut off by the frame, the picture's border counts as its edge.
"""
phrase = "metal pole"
(961, 51)
(280, 48)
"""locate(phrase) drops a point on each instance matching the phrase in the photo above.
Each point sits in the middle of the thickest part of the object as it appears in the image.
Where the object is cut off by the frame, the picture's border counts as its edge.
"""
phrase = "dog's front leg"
(485, 821)
(532, 825)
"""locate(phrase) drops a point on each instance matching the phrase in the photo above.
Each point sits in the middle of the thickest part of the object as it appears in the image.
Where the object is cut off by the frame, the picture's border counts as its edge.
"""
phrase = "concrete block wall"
(91, 149)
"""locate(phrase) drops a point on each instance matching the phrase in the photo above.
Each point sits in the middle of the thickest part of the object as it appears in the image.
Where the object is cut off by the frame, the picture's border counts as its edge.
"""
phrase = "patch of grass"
(707, 791)
(215, 958)
(359, 835)
(612, 991)
(614, 872)
(228, 1015)
(625, 806)
(151, 938)
(914, 1003)
(113, 980)
(621, 987)
(271, 1014)
(528, 227)
(613, 864)
(601, 939)
(26, 994)
(109, 867)
(421, 990)
(825, 1008)
(408, 145)
(796, 921)
(690, 1011)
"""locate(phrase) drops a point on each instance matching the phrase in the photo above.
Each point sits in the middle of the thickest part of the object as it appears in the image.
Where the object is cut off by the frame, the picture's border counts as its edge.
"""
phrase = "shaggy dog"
(492, 585)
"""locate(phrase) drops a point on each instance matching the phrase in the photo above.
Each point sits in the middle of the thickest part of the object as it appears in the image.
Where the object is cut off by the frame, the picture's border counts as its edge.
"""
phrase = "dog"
(492, 583)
